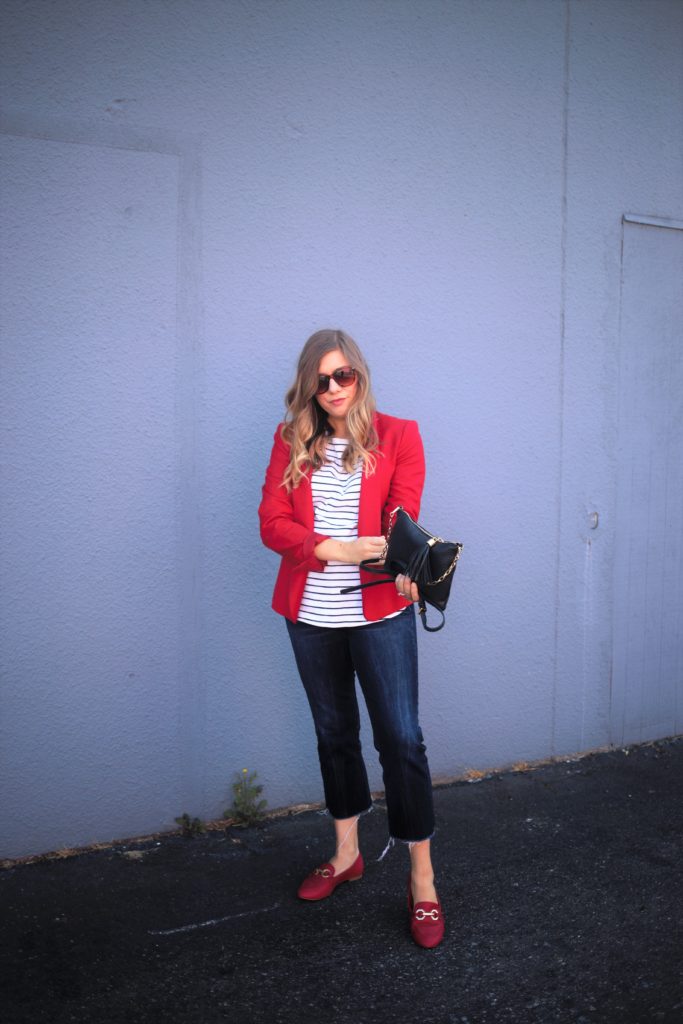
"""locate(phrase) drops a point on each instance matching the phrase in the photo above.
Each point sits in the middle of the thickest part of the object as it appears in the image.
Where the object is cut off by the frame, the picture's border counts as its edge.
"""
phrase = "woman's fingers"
(375, 547)
(369, 548)
(405, 586)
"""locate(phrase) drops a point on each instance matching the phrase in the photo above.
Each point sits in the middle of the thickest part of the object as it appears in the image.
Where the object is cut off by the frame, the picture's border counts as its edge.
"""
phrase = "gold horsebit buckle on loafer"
(420, 914)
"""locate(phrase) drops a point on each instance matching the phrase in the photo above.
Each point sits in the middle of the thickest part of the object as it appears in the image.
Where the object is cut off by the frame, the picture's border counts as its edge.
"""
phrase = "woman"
(337, 470)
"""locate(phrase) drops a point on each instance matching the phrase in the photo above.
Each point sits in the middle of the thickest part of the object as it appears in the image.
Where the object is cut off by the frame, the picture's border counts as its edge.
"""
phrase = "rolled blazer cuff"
(308, 559)
(297, 553)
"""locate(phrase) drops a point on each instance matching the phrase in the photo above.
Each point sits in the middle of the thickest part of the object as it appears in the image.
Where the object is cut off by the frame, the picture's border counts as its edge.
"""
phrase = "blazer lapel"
(369, 506)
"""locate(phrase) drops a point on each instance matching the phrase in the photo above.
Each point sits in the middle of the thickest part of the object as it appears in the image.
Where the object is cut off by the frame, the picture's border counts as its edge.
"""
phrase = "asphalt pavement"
(562, 888)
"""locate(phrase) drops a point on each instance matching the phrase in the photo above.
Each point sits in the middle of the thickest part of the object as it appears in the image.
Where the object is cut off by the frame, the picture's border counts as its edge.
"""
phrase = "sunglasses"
(344, 377)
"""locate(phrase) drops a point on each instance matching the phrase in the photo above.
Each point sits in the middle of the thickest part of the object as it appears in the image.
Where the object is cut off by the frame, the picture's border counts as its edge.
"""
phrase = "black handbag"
(412, 551)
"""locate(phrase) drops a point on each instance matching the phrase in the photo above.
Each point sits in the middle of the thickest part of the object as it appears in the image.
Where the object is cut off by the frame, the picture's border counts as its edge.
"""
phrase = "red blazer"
(287, 520)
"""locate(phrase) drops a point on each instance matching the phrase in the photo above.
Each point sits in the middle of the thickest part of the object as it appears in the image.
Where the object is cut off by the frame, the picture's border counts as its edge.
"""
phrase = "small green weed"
(246, 808)
(191, 826)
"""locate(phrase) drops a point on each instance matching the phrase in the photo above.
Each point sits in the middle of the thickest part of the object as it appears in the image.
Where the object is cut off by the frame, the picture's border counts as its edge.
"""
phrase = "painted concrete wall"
(192, 188)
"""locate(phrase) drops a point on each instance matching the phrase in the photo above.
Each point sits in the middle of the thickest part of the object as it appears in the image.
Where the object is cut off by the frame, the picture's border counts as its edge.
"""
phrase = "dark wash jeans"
(384, 657)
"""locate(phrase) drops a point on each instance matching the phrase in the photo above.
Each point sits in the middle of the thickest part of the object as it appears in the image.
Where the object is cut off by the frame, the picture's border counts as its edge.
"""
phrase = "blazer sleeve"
(407, 481)
(280, 531)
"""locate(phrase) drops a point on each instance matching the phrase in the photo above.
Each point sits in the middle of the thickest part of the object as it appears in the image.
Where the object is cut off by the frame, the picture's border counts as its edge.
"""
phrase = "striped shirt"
(336, 497)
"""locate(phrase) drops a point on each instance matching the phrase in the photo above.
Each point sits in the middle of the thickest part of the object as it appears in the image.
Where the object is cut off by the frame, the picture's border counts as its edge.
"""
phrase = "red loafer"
(427, 925)
(322, 882)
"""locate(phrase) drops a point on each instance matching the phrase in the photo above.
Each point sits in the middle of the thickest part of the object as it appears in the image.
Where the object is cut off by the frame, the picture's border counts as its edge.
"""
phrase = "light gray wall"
(192, 188)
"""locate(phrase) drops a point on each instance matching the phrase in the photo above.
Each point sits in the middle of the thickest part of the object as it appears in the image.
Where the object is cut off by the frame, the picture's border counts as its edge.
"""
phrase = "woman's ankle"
(347, 852)
(423, 889)
(344, 858)
(422, 878)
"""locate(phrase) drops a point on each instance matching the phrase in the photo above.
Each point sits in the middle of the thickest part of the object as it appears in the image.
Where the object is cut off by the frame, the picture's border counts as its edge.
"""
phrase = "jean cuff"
(408, 842)
(325, 811)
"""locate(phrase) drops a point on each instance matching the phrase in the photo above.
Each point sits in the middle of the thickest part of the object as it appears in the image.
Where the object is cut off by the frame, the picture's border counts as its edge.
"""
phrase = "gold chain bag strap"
(412, 551)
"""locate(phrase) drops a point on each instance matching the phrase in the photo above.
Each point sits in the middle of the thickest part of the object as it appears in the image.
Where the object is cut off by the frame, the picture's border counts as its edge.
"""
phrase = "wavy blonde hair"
(306, 427)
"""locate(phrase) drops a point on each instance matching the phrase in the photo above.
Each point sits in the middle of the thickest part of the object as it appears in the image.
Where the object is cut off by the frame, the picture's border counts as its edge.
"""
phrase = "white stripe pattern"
(336, 498)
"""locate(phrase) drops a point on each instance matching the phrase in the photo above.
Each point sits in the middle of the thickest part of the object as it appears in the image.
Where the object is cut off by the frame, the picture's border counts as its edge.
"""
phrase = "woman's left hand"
(405, 586)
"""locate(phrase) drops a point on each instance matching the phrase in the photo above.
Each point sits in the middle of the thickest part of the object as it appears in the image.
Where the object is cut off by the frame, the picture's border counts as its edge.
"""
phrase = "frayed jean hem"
(328, 814)
(392, 839)
(408, 842)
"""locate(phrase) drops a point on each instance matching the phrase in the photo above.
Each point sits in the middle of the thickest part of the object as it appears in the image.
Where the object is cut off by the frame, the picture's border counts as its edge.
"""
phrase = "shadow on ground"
(562, 889)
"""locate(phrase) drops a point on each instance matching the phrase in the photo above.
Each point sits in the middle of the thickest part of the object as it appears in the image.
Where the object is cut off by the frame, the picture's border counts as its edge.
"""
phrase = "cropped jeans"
(383, 655)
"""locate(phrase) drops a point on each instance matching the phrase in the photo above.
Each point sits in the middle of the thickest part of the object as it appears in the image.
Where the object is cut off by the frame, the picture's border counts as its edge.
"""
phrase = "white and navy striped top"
(336, 497)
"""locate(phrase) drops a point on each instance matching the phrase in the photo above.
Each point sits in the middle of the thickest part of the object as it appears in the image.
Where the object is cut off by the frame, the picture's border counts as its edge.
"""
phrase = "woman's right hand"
(350, 551)
(366, 547)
